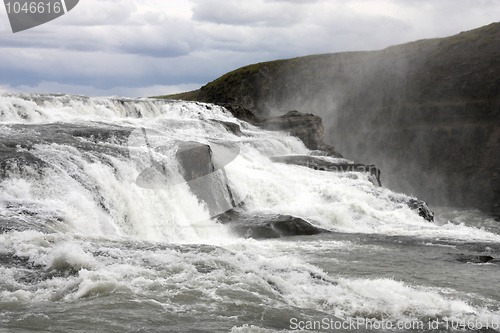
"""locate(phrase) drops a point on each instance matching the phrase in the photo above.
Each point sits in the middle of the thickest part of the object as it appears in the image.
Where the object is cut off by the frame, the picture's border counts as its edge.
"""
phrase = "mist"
(426, 113)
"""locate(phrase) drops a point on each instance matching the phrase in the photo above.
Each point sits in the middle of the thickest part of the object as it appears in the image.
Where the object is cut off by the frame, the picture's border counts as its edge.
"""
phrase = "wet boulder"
(307, 127)
(421, 208)
(474, 259)
(262, 226)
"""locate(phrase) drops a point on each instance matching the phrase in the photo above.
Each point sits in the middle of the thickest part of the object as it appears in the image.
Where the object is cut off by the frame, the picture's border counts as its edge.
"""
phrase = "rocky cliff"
(307, 127)
(427, 112)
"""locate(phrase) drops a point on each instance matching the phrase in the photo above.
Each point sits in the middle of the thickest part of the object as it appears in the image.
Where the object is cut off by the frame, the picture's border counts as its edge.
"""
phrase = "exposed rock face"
(427, 112)
(421, 208)
(307, 127)
(475, 259)
(243, 113)
(267, 226)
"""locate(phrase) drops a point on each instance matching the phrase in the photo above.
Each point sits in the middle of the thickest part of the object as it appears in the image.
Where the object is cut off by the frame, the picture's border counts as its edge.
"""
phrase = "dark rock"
(232, 127)
(307, 127)
(416, 205)
(242, 113)
(421, 208)
(18, 162)
(322, 165)
(267, 226)
(326, 150)
(474, 259)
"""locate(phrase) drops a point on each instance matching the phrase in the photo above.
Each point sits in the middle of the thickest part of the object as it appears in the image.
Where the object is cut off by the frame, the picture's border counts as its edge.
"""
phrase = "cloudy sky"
(150, 47)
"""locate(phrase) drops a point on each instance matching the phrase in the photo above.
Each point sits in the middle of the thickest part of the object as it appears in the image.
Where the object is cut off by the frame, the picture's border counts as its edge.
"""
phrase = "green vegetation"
(225, 89)
(486, 34)
(186, 96)
(226, 86)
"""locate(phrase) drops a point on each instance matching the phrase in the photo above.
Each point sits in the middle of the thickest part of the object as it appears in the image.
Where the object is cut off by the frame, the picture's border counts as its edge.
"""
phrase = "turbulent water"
(85, 248)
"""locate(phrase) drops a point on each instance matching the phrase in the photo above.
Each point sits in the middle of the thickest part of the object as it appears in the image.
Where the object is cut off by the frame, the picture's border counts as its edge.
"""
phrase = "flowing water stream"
(85, 248)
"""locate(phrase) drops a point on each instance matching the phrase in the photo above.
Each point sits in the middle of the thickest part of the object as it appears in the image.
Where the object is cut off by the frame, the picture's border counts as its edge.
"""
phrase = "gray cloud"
(108, 46)
(111, 27)
(249, 12)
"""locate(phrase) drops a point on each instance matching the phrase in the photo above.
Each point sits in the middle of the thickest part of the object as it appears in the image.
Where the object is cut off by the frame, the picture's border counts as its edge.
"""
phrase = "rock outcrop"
(306, 126)
(426, 112)
(421, 208)
(267, 226)
(475, 259)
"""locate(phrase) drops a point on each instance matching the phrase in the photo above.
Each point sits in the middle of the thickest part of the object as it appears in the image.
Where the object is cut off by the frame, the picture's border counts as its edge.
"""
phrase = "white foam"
(260, 273)
(343, 202)
(32, 108)
(107, 202)
(305, 286)
(256, 329)
(338, 201)
(109, 234)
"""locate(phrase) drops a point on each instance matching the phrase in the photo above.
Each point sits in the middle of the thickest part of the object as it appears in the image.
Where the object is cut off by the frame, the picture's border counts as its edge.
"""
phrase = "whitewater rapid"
(77, 230)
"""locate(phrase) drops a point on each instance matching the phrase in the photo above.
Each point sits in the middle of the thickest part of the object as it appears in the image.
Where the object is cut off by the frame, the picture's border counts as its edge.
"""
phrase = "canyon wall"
(426, 112)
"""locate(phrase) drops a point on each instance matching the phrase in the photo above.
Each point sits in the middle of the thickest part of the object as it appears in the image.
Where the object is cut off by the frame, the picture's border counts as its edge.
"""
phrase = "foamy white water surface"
(85, 248)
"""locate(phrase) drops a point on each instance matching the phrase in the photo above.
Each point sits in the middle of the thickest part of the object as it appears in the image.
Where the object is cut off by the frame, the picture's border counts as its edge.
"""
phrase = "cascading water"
(101, 231)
